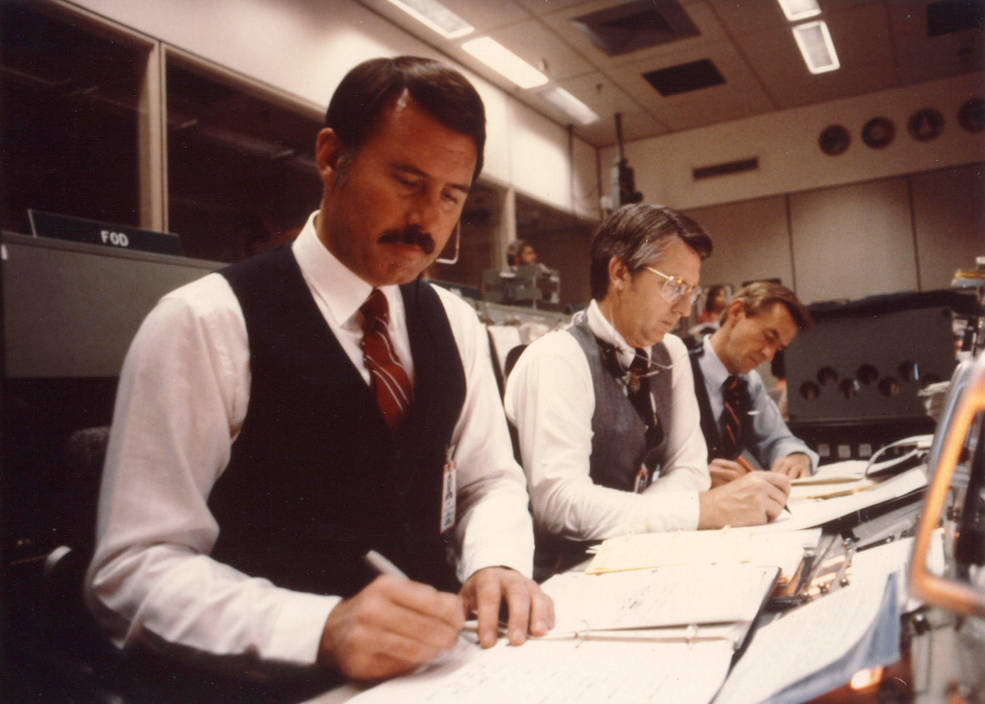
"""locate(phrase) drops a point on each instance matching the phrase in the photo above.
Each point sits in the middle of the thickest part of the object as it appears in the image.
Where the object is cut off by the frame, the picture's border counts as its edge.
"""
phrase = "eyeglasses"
(676, 289)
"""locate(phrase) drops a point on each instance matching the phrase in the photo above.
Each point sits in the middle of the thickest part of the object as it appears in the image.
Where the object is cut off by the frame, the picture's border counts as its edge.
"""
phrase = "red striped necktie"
(735, 415)
(388, 378)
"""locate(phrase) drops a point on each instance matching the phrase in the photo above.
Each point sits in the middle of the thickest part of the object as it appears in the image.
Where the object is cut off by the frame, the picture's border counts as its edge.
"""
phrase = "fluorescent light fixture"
(799, 9)
(436, 16)
(570, 105)
(814, 42)
(505, 62)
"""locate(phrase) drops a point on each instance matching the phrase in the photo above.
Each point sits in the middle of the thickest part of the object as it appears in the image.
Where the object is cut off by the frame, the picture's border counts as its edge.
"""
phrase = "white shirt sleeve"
(550, 400)
(494, 525)
(181, 399)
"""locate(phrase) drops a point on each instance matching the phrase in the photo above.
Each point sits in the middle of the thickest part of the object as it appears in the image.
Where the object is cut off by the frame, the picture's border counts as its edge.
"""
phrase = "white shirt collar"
(713, 368)
(606, 331)
(342, 290)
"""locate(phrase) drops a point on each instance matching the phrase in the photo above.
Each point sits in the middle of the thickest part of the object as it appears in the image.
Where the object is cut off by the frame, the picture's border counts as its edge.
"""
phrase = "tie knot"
(375, 308)
(639, 364)
(733, 383)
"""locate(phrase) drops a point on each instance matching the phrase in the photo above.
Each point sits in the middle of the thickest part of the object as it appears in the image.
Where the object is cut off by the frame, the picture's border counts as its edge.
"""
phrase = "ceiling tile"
(861, 39)
(542, 49)
(740, 96)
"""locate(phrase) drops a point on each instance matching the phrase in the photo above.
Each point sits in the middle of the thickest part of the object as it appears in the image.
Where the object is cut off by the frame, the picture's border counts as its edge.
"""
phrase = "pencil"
(744, 463)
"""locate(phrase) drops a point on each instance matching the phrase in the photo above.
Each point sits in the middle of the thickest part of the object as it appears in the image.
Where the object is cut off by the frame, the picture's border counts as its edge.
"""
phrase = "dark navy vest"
(709, 423)
(316, 478)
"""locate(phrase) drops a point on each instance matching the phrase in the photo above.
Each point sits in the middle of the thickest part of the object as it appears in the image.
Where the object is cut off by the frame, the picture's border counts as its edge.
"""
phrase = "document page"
(829, 634)
(566, 672)
(809, 513)
(679, 595)
(648, 550)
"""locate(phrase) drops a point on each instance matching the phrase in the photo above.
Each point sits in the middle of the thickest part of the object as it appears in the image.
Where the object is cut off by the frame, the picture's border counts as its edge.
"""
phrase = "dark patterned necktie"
(638, 392)
(388, 378)
(735, 415)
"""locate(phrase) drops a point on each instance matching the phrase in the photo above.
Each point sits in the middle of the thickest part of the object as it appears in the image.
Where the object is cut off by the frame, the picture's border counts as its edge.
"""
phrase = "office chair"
(77, 661)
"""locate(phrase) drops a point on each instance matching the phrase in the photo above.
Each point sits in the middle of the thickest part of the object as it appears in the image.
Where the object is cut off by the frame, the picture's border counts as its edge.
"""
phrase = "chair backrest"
(75, 505)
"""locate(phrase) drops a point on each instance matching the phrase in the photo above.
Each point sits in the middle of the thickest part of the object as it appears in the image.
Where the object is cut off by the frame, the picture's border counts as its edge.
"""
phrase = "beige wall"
(904, 233)
(790, 160)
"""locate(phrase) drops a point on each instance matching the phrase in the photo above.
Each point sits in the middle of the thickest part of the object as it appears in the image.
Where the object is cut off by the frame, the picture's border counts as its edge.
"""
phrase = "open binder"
(680, 603)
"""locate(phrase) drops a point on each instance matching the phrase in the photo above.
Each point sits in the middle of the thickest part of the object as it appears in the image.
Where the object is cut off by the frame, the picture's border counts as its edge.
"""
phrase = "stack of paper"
(684, 595)
(724, 547)
(820, 645)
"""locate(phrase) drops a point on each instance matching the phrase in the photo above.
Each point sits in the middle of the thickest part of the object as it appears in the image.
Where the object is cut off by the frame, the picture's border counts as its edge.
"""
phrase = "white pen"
(381, 565)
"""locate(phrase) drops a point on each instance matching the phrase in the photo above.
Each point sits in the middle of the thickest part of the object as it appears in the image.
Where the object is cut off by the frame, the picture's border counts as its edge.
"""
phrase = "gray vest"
(619, 434)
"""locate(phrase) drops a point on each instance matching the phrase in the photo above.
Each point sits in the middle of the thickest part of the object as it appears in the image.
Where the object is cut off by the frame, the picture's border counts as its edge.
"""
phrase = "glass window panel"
(69, 97)
(241, 168)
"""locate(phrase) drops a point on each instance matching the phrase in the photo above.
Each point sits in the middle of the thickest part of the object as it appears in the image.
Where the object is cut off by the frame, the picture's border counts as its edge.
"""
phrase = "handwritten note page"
(648, 550)
(566, 672)
(669, 596)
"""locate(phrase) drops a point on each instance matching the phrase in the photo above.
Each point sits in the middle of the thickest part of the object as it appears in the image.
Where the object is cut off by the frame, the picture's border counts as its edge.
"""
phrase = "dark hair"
(761, 295)
(373, 87)
(710, 296)
(637, 234)
(513, 251)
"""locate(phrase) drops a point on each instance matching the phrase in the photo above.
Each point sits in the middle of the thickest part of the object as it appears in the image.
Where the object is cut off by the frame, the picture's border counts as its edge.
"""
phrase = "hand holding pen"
(390, 627)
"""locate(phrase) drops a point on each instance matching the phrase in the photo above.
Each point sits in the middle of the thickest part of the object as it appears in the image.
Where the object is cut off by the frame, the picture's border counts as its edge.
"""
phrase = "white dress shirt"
(550, 398)
(771, 438)
(182, 399)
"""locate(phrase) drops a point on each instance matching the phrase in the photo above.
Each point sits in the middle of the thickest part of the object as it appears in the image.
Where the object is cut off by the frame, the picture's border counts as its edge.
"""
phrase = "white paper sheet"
(566, 672)
(668, 596)
(812, 637)
(648, 550)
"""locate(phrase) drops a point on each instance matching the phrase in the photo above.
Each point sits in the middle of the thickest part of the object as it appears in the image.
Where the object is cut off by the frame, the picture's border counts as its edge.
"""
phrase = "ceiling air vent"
(685, 77)
(729, 167)
(636, 25)
(947, 16)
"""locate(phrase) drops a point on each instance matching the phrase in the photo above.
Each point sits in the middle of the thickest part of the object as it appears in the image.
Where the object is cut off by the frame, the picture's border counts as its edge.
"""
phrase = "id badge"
(642, 480)
(448, 489)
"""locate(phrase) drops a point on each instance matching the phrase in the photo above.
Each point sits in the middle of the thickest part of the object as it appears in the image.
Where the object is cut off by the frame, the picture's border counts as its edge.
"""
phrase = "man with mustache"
(761, 320)
(284, 418)
(606, 417)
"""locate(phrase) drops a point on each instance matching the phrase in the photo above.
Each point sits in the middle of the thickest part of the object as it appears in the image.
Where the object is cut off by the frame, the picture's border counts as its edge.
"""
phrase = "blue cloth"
(770, 438)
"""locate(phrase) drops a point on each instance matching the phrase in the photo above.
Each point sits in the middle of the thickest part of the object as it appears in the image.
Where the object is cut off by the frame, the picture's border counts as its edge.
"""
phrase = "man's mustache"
(409, 235)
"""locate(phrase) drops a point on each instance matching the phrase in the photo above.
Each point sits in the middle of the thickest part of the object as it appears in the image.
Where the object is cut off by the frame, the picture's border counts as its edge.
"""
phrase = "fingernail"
(517, 636)
(488, 640)
(538, 627)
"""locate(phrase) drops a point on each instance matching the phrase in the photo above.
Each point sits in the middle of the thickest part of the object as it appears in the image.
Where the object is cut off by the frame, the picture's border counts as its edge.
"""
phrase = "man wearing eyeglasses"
(737, 414)
(605, 412)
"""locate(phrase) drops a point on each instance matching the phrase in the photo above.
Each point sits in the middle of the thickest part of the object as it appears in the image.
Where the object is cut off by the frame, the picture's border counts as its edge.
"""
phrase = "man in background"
(605, 411)
(737, 413)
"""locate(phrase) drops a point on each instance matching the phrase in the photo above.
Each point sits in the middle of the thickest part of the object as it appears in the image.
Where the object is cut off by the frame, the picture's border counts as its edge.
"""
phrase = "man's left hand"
(530, 610)
(793, 465)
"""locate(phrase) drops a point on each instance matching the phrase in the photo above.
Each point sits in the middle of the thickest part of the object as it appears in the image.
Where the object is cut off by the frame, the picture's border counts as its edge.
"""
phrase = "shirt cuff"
(298, 631)
(496, 558)
(683, 515)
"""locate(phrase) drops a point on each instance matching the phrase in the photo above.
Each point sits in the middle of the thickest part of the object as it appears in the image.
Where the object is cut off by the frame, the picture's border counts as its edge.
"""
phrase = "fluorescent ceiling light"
(505, 62)
(799, 9)
(570, 105)
(436, 16)
(814, 42)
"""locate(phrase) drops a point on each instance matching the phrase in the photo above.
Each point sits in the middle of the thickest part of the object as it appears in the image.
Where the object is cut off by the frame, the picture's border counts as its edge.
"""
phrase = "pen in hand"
(381, 565)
